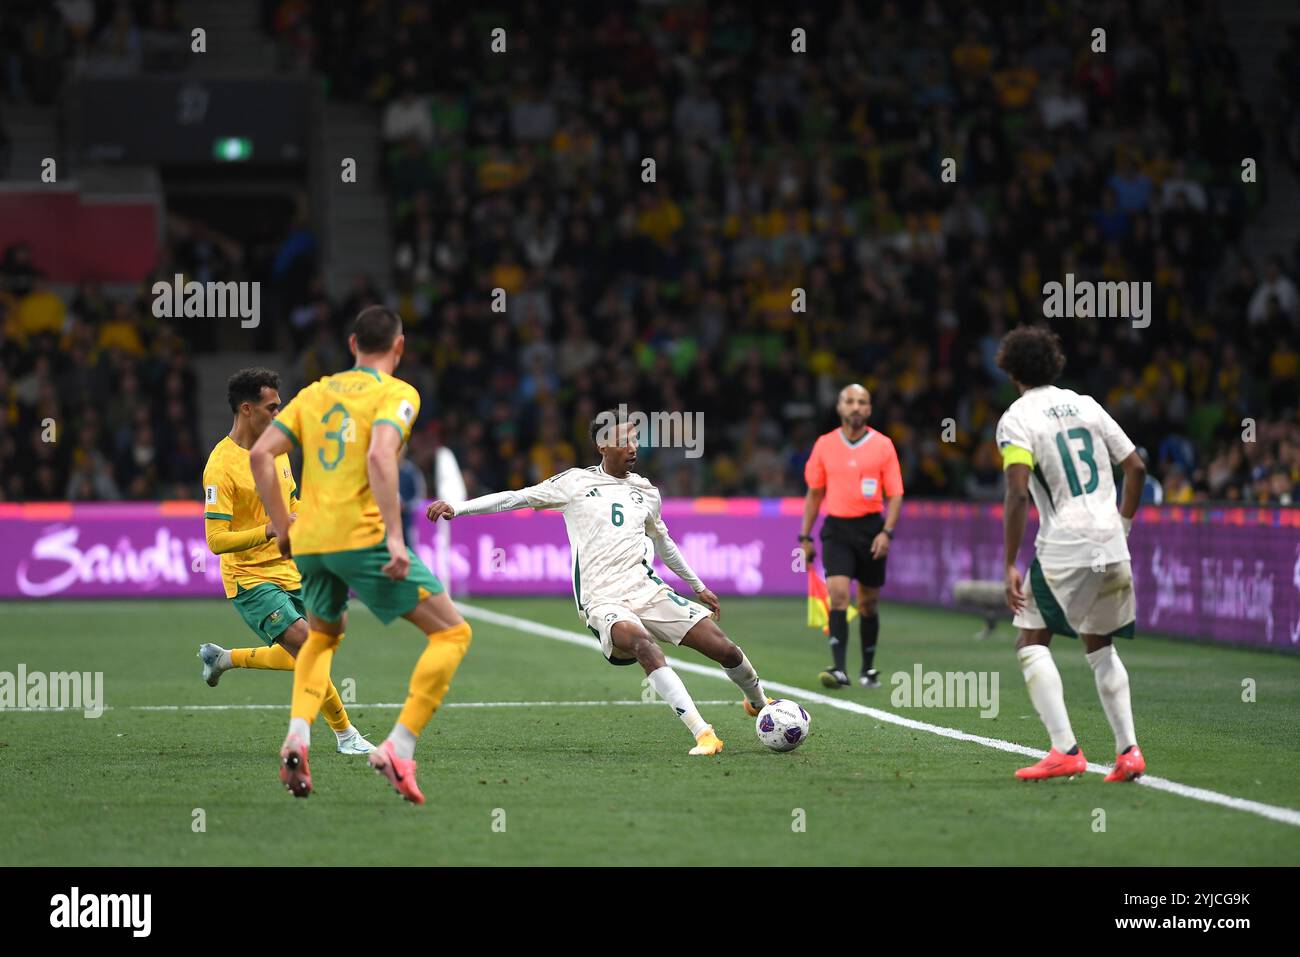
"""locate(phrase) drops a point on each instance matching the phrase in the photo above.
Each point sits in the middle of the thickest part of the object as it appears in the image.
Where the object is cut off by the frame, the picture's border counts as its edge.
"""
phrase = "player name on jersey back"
(331, 420)
(1072, 446)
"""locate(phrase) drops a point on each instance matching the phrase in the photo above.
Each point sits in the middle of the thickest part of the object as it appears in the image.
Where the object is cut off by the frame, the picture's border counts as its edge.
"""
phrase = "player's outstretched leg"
(1065, 759)
(634, 641)
(448, 637)
(280, 657)
(708, 639)
(1112, 687)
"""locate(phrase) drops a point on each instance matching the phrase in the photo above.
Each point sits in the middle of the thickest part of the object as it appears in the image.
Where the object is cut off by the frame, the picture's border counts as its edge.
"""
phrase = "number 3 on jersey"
(346, 432)
(1085, 456)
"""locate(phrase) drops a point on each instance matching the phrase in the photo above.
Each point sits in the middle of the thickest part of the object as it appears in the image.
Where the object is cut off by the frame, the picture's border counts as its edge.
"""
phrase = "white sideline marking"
(395, 705)
(1283, 815)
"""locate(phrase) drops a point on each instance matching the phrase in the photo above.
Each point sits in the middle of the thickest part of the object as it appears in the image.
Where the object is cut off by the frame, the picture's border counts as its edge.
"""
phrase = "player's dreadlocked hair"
(246, 385)
(1031, 355)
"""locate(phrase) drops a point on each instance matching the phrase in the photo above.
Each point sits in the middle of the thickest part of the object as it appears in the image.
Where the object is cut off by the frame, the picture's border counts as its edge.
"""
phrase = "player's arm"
(1016, 446)
(483, 505)
(1122, 450)
(218, 512)
(814, 473)
(1135, 477)
(222, 539)
(261, 459)
(553, 493)
(381, 470)
(666, 551)
(1015, 514)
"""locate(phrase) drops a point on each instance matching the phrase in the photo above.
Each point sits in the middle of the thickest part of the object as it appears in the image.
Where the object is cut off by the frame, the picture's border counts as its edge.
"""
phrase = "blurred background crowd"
(773, 171)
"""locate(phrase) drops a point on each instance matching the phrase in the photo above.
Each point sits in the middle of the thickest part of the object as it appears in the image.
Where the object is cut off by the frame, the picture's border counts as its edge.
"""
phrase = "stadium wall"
(1224, 574)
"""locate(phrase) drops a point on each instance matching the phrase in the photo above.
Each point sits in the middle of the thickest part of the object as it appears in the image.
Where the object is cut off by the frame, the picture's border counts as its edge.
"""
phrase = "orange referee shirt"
(854, 474)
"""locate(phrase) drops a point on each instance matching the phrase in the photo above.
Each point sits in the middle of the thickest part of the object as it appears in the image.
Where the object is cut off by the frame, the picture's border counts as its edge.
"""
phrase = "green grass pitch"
(611, 783)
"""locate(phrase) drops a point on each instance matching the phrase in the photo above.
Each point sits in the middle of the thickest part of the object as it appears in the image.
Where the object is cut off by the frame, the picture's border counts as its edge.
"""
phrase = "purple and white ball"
(783, 725)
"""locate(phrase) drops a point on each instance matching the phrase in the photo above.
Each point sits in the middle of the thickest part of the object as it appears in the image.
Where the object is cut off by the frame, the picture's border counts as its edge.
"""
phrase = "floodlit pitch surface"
(544, 754)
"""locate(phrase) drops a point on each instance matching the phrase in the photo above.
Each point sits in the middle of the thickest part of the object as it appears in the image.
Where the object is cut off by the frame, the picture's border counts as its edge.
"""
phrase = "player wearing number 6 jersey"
(615, 529)
(1059, 447)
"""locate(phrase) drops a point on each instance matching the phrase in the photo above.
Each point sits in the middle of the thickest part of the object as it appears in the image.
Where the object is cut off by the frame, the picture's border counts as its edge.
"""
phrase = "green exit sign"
(232, 149)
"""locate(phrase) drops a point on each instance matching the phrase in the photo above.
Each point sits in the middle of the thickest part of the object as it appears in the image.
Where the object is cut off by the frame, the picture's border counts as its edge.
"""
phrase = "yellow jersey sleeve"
(218, 491)
(399, 408)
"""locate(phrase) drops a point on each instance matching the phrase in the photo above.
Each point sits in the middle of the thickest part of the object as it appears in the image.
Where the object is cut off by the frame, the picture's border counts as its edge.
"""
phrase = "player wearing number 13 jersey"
(1059, 447)
(348, 535)
(615, 529)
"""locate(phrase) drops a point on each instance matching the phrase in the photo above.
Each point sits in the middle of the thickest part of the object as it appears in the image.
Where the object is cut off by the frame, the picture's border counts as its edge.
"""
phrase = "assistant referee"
(854, 468)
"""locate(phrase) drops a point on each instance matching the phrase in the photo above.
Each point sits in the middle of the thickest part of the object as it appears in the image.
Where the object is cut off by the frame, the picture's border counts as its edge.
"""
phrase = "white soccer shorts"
(1079, 601)
(666, 616)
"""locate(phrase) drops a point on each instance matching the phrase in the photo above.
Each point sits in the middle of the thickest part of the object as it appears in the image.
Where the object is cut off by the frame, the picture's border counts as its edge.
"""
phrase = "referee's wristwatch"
(889, 532)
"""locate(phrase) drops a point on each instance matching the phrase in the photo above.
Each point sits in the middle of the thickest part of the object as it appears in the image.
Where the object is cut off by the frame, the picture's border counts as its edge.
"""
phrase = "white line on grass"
(1272, 812)
(394, 705)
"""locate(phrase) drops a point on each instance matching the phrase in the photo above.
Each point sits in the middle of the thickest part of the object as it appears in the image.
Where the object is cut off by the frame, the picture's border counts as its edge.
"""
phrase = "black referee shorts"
(846, 548)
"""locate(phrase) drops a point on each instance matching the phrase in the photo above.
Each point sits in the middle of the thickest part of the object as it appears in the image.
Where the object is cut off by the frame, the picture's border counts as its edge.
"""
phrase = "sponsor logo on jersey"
(210, 493)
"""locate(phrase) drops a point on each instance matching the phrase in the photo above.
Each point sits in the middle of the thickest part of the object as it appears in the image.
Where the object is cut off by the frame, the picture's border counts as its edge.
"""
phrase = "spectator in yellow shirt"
(40, 311)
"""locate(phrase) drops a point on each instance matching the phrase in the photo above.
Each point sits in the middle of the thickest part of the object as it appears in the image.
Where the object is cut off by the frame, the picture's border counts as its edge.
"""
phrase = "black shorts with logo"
(846, 548)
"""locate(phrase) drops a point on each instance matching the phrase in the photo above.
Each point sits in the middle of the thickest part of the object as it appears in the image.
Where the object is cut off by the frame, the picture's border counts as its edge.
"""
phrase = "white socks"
(669, 687)
(403, 739)
(1045, 691)
(746, 679)
(1112, 688)
(346, 733)
(301, 728)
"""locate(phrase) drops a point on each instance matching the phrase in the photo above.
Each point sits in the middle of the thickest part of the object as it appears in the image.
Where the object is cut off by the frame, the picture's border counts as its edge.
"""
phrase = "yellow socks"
(274, 658)
(432, 676)
(332, 708)
(311, 674)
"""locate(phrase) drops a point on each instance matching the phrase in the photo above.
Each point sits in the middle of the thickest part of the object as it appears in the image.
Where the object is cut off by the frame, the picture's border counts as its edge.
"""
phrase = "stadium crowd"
(819, 171)
(95, 403)
(42, 43)
(774, 171)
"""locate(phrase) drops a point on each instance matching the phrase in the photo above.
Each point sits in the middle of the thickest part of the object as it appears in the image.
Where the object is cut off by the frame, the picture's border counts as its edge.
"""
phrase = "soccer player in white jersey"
(612, 516)
(1060, 447)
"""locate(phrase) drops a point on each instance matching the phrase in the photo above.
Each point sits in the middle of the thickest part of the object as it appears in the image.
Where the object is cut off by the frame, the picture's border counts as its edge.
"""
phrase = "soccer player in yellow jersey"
(262, 584)
(348, 534)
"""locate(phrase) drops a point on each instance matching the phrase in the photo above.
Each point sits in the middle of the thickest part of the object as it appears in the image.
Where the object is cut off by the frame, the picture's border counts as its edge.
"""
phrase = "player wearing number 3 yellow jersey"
(348, 534)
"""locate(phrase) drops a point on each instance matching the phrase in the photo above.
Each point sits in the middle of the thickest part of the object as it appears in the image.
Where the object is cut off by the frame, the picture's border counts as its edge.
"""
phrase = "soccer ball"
(782, 725)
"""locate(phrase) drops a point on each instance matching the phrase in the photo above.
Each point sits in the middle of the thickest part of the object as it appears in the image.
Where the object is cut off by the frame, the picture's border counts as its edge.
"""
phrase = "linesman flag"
(819, 604)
